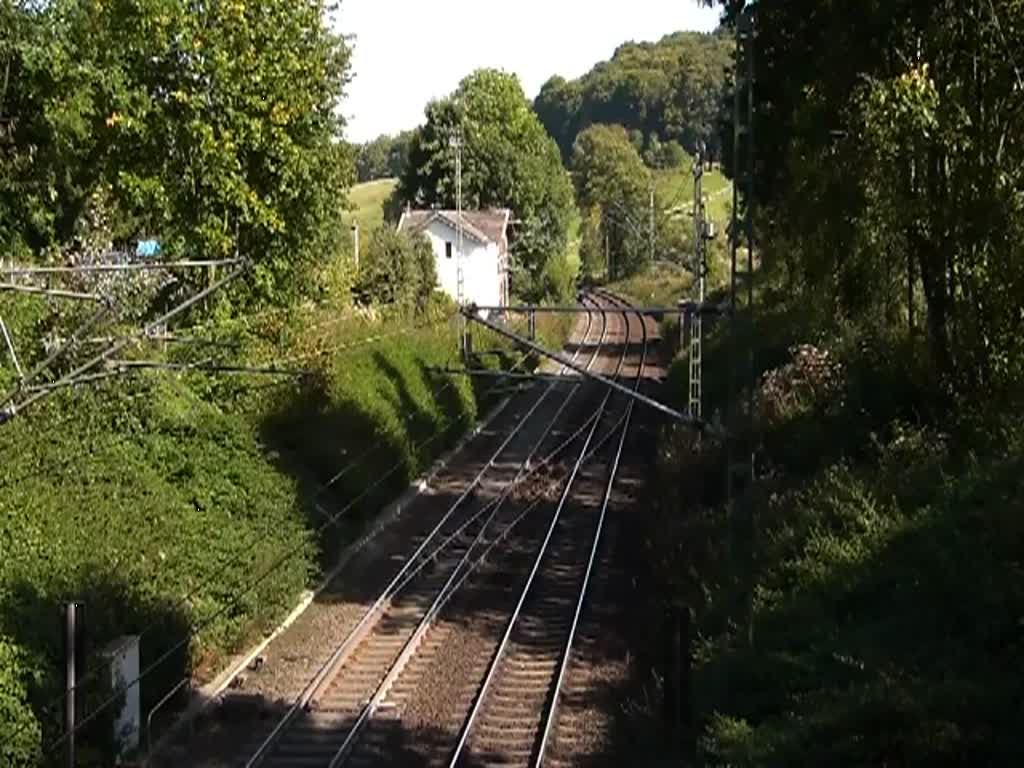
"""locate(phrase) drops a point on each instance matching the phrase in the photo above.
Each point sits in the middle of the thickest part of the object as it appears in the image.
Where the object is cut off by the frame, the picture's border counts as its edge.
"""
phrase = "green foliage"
(19, 730)
(611, 177)
(384, 157)
(369, 202)
(669, 91)
(508, 161)
(836, 610)
(130, 499)
(886, 158)
(213, 127)
(131, 496)
(397, 269)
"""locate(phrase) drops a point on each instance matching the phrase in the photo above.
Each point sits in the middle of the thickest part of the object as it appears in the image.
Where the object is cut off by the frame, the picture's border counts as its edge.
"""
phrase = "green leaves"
(614, 184)
(214, 125)
(670, 90)
(508, 161)
(398, 269)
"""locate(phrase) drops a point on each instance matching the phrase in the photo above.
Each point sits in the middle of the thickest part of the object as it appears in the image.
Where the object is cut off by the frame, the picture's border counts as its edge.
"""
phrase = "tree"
(398, 269)
(886, 144)
(508, 161)
(671, 89)
(384, 157)
(611, 177)
(219, 132)
(372, 159)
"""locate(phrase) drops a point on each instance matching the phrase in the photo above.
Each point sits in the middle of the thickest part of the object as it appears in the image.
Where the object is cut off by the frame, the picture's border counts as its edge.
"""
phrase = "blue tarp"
(147, 249)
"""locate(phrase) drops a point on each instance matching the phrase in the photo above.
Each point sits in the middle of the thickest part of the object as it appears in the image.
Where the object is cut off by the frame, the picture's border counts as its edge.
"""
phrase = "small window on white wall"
(447, 250)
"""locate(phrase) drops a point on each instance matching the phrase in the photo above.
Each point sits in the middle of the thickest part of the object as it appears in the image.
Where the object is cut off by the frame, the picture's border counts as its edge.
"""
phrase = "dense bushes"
(160, 498)
(857, 605)
(398, 269)
(154, 507)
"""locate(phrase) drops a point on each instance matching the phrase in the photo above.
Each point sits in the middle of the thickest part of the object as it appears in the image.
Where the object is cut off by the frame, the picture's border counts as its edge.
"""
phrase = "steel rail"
(455, 580)
(513, 619)
(552, 708)
(331, 521)
(394, 586)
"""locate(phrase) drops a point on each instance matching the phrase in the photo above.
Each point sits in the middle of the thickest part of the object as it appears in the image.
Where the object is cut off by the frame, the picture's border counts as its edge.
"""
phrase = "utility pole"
(607, 252)
(651, 228)
(73, 657)
(700, 271)
(742, 469)
(460, 278)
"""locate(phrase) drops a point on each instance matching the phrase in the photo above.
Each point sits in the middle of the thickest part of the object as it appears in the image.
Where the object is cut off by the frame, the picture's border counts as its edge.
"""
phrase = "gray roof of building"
(483, 226)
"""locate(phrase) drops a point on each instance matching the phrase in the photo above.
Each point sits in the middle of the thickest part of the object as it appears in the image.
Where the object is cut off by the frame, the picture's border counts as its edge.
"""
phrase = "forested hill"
(670, 90)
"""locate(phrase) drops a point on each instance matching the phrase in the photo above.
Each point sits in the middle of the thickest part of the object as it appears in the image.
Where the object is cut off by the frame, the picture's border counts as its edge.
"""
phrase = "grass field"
(674, 187)
(368, 200)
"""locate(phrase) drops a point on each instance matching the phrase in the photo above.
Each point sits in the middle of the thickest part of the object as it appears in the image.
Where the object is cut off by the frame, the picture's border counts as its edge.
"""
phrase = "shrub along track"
(355, 605)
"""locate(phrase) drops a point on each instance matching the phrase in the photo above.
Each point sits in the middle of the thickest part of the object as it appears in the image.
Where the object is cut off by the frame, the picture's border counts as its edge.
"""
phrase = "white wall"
(482, 279)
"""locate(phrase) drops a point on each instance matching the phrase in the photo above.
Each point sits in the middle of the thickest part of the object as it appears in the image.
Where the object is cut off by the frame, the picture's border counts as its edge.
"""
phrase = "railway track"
(515, 713)
(351, 688)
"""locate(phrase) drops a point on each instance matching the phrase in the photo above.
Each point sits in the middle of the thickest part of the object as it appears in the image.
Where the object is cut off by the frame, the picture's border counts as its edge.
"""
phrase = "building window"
(447, 250)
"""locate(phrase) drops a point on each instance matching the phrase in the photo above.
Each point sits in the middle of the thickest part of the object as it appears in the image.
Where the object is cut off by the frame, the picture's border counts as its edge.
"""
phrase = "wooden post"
(355, 243)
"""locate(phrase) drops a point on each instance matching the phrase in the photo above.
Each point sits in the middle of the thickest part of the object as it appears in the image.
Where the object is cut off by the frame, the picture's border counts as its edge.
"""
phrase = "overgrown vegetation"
(384, 157)
(217, 136)
(858, 602)
(161, 498)
(665, 93)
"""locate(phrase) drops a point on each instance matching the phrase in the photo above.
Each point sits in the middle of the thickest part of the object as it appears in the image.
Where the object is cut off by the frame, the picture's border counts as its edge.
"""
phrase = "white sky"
(402, 58)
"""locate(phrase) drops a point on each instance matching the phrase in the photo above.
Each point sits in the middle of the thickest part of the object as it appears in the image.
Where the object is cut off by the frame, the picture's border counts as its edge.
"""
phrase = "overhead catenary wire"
(549, 718)
(141, 266)
(405, 575)
(113, 349)
(61, 350)
(403, 331)
(377, 445)
(542, 550)
(235, 599)
(209, 366)
(54, 293)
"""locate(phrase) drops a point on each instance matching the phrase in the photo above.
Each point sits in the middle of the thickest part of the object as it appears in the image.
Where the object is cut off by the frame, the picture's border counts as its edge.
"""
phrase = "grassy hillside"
(674, 187)
(191, 508)
(367, 200)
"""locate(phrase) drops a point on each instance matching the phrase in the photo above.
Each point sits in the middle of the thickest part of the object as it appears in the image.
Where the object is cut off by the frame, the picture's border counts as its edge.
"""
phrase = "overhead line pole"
(460, 276)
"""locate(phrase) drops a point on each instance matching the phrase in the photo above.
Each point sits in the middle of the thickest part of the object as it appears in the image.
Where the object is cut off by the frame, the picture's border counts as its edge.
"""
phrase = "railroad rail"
(323, 722)
(514, 712)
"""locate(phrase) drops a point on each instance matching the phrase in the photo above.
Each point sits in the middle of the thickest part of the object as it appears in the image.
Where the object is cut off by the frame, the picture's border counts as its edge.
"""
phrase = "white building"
(484, 251)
